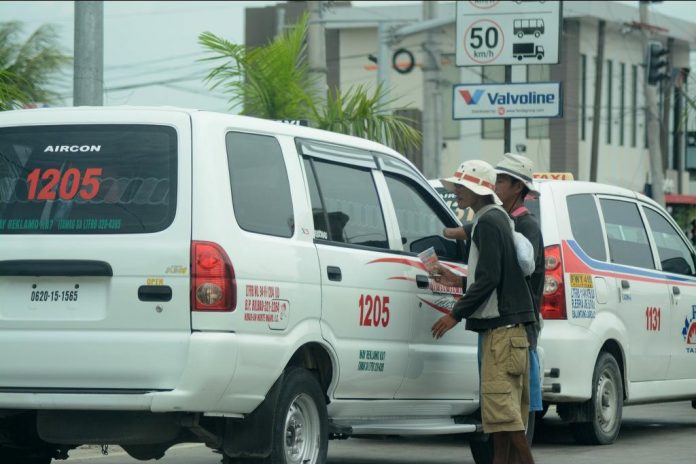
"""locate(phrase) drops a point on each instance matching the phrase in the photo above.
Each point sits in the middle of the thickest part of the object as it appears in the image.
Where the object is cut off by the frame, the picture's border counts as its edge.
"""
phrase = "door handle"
(422, 281)
(625, 285)
(334, 273)
(154, 293)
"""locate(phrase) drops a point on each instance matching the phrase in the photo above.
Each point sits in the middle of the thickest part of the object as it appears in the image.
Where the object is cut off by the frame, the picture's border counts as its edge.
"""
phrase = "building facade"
(561, 144)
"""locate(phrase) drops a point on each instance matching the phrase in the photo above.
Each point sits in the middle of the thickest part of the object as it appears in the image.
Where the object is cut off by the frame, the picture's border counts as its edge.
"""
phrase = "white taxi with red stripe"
(619, 305)
(172, 275)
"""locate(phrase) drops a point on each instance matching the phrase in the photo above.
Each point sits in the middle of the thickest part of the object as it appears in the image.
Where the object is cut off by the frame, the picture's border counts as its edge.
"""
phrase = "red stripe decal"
(402, 278)
(405, 261)
(443, 310)
(573, 263)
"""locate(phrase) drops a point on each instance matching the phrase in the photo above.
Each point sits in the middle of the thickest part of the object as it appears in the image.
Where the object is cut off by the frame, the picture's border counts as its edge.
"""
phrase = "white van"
(170, 275)
(619, 305)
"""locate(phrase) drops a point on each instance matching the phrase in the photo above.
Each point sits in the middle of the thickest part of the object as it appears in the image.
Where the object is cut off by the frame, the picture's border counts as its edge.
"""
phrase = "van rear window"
(87, 179)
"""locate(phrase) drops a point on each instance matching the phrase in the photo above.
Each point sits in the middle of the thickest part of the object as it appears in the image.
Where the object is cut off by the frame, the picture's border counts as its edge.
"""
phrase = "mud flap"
(252, 437)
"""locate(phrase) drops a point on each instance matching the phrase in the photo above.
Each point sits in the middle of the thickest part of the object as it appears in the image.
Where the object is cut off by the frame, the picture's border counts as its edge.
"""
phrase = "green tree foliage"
(274, 82)
(29, 67)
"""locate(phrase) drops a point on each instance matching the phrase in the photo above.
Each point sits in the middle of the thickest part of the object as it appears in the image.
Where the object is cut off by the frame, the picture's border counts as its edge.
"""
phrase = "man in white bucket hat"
(497, 304)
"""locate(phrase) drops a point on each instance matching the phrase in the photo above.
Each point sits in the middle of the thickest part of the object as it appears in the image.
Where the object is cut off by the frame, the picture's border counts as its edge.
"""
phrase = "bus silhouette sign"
(507, 32)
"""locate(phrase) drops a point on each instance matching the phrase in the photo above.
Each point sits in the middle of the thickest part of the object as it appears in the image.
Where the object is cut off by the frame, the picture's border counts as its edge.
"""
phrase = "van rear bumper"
(208, 372)
(571, 349)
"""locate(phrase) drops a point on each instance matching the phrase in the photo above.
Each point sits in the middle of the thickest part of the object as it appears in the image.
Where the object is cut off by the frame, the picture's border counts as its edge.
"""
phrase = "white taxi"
(619, 304)
(172, 275)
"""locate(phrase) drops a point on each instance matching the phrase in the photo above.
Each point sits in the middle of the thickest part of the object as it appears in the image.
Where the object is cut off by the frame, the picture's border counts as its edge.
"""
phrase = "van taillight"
(213, 287)
(553, 304)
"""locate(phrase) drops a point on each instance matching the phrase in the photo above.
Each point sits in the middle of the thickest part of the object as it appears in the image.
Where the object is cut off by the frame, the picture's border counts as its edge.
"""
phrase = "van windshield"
(87, 179)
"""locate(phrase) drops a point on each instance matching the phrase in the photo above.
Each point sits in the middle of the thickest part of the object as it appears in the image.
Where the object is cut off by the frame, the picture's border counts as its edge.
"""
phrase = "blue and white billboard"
(501, 101)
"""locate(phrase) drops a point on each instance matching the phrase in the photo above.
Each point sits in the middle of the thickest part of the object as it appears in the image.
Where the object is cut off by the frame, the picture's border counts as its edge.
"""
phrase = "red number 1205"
(70, 183)
(374, 310)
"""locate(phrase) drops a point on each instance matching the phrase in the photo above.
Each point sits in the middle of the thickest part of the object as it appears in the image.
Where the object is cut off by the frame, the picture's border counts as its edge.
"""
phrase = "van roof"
(565, 188)
(53, 116)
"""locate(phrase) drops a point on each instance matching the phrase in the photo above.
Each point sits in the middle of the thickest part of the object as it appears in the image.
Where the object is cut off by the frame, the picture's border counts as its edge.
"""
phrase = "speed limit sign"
(484, 41)
(491, 32)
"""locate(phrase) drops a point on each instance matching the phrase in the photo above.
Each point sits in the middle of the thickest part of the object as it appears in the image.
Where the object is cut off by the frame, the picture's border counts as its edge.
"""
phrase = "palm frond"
(37, 61)
(11, 95)
(271, 82)
(358, 113)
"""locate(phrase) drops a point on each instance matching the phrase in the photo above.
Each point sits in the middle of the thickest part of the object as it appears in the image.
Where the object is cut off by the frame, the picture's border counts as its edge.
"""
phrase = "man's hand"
(443, 325)
(446, 277)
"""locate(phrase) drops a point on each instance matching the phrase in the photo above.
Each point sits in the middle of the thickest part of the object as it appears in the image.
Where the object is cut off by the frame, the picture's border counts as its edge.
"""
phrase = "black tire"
(16, 456)
(481, 447)
(605, 407)
(300, 434)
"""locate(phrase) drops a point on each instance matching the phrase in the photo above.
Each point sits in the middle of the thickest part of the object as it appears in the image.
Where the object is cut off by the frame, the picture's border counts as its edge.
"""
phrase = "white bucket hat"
(520, 167)
(476, 175)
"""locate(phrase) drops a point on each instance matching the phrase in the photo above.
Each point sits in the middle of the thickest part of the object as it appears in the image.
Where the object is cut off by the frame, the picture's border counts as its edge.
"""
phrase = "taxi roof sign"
(553, 175)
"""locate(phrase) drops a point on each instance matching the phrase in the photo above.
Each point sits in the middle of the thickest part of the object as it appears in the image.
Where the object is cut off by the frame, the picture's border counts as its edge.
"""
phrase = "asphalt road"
(662, 433)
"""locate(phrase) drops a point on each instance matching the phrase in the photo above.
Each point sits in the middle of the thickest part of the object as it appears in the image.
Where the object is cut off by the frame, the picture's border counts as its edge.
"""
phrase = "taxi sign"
(553, 175)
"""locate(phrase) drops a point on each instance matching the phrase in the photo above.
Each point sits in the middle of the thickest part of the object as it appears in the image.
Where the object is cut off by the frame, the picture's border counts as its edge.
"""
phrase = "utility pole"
(666, 107)
(507, 122)
(316, 45)
(88, 78)
(653, 123)
(432, 97)
(597, 107)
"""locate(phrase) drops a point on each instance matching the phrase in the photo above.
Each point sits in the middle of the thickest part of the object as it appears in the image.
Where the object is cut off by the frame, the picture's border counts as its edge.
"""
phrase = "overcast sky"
(150, 41)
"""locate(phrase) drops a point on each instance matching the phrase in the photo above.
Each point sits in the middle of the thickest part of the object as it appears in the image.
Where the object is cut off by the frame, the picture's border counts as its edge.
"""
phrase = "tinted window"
(674, 254)
(352, 205)
(87, 179)
(628, 241)
(586, 226)
(260, 187)
(417, 219)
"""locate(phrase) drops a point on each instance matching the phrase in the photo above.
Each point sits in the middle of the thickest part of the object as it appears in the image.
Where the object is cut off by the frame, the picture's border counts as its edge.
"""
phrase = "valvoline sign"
(496, 101)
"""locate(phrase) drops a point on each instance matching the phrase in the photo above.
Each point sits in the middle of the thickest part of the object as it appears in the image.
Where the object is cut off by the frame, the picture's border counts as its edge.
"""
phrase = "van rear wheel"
(300, 433)
(605, 406)
(300, 428)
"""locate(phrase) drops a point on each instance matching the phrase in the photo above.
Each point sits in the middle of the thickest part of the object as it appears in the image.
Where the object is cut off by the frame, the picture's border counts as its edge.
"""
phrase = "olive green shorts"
(504, 379)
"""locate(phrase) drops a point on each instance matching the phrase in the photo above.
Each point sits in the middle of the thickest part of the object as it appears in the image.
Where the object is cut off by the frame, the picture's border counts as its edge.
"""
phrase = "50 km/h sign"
(491, 32)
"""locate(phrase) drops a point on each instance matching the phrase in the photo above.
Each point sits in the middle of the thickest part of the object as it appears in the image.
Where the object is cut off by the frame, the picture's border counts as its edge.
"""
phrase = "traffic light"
(656, 63)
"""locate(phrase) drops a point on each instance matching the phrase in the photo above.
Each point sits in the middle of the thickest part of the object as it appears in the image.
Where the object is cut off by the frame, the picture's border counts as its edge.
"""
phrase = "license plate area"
(53, 298)
(58, 294)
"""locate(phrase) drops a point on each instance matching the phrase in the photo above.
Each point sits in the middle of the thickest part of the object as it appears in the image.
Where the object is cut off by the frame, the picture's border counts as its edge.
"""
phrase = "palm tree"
(28, 67)
(275, 82)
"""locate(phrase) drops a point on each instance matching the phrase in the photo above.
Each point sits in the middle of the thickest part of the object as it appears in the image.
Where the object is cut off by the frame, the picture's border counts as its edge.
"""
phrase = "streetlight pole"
(88, 78)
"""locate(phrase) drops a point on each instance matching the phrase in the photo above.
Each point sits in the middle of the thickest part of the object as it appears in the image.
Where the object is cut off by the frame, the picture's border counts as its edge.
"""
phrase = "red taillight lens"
(213, 287)
(553, 304)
